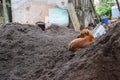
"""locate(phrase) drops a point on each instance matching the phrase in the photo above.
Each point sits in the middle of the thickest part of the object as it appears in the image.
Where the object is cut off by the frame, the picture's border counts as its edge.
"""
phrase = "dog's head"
(84, 32)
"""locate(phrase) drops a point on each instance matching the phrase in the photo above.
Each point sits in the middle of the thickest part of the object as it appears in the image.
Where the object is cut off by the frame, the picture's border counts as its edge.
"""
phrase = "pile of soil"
(28, 53)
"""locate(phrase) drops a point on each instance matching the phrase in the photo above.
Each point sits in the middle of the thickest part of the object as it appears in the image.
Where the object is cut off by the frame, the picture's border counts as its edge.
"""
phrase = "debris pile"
(28, 53)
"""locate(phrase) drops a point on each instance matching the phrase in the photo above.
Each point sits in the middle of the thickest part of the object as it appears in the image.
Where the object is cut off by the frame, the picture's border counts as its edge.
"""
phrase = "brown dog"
(84, 33)
(78, 43)
(84, 40)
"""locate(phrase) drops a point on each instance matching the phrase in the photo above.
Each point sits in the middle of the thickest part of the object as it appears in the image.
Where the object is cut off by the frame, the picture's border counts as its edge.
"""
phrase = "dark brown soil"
(28, 53)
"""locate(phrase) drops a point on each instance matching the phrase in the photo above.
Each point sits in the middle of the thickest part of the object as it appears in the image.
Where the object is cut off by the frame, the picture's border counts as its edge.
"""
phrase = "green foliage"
(8, 4)
(107, 1)
(104, 10)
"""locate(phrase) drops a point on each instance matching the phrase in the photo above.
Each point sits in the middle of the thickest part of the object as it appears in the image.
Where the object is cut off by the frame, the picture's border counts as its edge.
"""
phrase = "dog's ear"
(79, 36)
(87, 33)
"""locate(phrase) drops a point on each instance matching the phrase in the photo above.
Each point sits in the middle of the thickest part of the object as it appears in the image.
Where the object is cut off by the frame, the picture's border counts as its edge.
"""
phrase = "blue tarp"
(58, 17)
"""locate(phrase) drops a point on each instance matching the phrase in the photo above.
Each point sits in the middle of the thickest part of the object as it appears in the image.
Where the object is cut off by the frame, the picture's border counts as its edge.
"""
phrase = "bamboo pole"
(94, 11)
(118, 5)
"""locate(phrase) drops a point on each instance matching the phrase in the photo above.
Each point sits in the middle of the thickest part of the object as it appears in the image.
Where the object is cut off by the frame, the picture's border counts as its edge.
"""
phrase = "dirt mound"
(28, 53)
(100, 61)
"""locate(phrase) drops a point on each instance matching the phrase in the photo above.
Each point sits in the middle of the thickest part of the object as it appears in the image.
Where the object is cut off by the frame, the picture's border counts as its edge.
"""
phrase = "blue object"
(104, 20)
(58, 16)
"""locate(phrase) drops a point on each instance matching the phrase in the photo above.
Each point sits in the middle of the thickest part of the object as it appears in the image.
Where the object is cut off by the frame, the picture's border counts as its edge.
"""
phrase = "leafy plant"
(104, 10)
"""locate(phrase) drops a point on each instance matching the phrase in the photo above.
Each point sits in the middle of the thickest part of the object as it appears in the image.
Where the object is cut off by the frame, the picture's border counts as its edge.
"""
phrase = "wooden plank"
(73, 17)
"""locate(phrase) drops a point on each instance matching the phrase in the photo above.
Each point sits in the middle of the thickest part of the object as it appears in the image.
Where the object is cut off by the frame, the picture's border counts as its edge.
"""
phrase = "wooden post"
(83, 13)
(76, 4)
(5, 11)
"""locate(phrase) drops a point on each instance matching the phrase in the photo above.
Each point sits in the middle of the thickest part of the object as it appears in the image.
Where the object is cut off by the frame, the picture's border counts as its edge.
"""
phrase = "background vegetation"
(104, 10)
